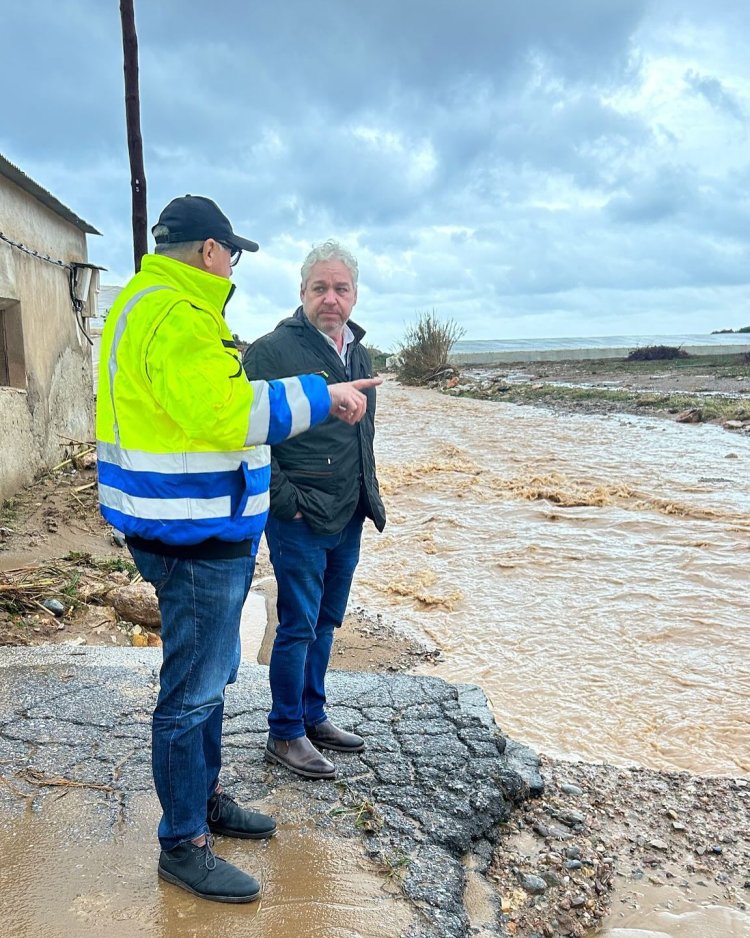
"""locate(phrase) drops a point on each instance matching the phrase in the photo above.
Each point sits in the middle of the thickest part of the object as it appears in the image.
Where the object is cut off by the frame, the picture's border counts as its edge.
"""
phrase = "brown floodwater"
(588, 571)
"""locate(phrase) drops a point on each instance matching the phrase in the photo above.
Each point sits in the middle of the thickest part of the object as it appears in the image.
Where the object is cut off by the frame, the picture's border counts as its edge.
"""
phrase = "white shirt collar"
(348, 339)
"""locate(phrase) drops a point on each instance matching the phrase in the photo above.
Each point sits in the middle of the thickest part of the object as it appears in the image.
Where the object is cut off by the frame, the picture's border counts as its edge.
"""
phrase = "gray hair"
(179, 250)
(329, 251)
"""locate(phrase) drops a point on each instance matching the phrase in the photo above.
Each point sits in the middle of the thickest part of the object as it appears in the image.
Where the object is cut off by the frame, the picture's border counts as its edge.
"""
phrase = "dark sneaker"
(327, 735)
(198, 870)
(300, 756)
(226, 817)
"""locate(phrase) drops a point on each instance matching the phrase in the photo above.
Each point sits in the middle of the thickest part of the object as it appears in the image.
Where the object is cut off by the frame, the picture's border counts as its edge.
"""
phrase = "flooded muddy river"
(587, 571)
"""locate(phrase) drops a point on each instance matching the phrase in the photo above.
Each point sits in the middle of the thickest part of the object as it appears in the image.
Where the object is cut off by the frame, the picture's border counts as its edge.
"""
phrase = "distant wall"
(46, 391)
(578, 354)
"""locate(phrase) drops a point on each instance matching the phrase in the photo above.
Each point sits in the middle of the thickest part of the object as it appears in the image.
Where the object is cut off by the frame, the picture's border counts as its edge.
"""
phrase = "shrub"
(424, 350)
(651, 353)
(377, 357)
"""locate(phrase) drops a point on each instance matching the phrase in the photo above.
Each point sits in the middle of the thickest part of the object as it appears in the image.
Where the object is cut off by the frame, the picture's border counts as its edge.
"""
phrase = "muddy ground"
(696, 389)
(601, 842)
(54, 541)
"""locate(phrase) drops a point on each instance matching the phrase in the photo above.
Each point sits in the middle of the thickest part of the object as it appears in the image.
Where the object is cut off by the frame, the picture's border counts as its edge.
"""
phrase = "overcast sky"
(535, 168)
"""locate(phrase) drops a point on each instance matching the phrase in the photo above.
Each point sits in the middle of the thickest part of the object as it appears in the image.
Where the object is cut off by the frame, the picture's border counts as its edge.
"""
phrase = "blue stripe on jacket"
(185, 533)
(280, 423)
(318, 395)
(233, 482)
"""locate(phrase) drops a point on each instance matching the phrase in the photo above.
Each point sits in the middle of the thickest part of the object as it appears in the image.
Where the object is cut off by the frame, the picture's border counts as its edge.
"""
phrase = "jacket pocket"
(320, 467)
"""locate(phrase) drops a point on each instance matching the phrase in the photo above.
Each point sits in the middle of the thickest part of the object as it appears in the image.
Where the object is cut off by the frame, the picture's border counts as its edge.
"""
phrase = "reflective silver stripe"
(177, 509)
(256, 504)
(298, 404)
(259, 418)
(116, 338)
(165, 509)
(174, 463)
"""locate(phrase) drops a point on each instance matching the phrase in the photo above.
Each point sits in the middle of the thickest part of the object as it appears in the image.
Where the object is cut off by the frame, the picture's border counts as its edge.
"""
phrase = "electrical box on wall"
(84, 277)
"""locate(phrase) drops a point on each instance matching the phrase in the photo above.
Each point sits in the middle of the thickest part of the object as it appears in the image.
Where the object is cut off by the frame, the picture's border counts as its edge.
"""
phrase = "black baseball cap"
(195, 218)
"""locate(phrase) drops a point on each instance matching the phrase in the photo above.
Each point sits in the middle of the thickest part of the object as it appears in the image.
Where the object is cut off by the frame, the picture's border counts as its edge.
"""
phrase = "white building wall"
(54, 403)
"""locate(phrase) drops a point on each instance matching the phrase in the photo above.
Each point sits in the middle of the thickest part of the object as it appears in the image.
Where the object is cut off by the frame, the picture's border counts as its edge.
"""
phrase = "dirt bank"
(696, 389)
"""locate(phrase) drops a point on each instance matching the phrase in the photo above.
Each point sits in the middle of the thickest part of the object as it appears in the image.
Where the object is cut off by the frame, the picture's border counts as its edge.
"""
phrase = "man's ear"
(301, 292)
(209, 253)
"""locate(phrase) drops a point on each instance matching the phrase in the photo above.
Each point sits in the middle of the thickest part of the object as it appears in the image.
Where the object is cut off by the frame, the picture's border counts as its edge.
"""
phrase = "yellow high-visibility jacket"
(182, 436)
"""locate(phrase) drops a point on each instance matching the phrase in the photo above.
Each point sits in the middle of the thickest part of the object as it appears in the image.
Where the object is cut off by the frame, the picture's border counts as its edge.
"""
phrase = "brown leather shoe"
(327, 735)
(300, 756)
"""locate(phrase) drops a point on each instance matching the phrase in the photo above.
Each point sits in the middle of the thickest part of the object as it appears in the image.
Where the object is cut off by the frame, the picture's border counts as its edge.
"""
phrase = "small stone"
(534, 885)
(571, 818)
(692, 415)
(573, 853)
(54, 606)
(700, 851)
(678, 826)
(716, 849)
(577, 901)
(569, 789)
(136, 602)
(658, 844)
(118, 538)
(551, 878)
(573, 864)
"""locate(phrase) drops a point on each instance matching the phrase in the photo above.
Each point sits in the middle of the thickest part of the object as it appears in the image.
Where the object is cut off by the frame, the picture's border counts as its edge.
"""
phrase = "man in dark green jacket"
(323, 486)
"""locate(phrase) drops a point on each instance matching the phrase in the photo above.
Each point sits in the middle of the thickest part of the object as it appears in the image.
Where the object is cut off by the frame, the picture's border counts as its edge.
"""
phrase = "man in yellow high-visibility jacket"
(184, 468)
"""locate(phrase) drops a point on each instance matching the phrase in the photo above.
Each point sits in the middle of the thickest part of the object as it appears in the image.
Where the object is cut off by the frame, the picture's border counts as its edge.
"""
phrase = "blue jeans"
(200, 602)
(314, 575)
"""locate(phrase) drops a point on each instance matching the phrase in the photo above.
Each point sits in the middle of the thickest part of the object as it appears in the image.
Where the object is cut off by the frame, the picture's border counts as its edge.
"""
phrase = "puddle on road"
(680, 920)
(59, 878)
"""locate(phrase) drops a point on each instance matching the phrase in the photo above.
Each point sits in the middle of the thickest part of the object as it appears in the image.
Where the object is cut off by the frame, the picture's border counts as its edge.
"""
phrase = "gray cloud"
(715, 93)
(524, 166)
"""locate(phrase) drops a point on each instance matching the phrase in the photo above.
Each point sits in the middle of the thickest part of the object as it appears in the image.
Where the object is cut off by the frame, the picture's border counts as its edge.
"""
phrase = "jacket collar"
(200, 287)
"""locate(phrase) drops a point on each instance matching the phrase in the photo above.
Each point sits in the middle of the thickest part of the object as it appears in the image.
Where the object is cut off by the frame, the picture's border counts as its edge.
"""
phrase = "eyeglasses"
(234, 253)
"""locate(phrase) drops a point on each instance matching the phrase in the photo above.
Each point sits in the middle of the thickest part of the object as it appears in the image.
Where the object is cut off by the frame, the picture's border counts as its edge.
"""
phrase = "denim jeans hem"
(201, 833)
(316, 723)
(286, 739)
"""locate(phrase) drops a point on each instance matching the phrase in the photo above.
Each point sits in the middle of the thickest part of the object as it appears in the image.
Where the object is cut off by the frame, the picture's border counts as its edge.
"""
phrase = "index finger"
(361, 383)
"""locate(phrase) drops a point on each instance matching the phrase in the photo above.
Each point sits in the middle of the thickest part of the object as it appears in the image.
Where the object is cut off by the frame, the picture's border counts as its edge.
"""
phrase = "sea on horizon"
(466, 346)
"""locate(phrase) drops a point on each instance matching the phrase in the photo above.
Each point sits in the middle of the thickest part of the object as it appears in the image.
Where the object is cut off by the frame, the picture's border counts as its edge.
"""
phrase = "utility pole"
(135, 141)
